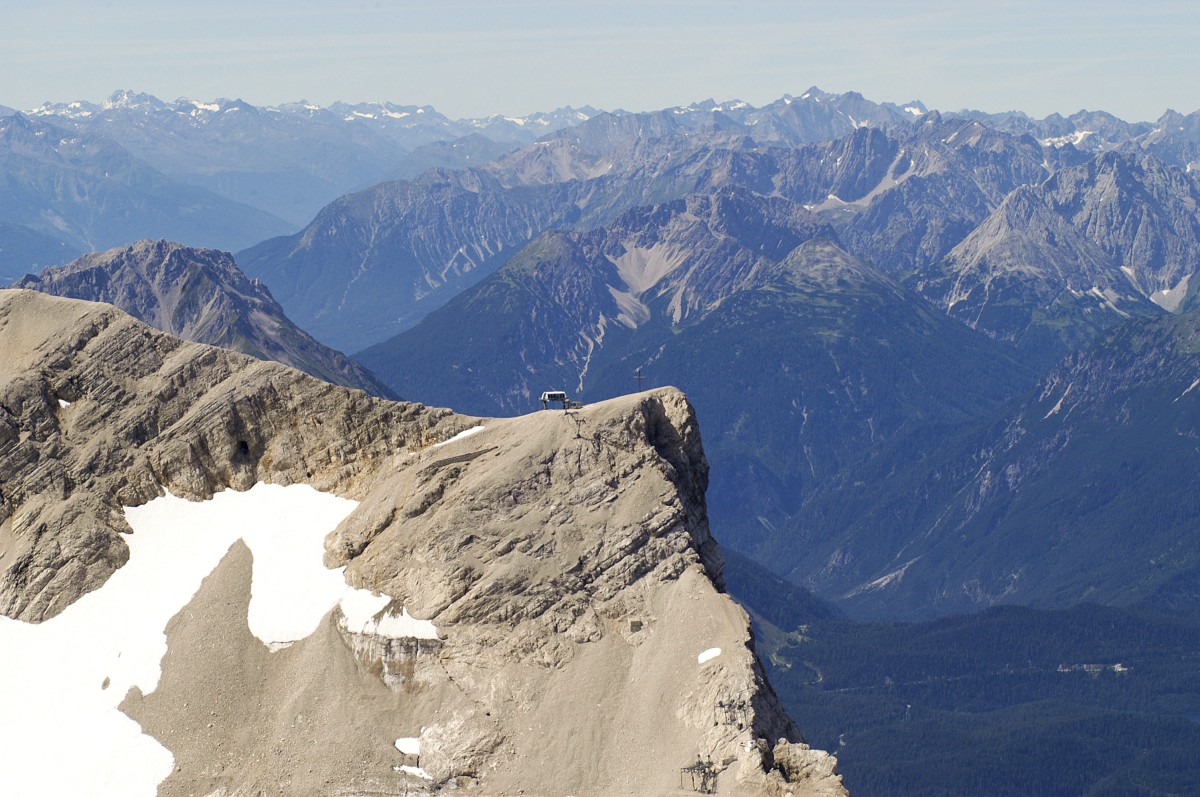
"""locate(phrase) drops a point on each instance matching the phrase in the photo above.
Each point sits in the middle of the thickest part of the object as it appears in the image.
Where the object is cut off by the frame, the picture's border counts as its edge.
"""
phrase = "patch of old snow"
(420, 773)
(359, 606)
(708, 655)
(1170, 300)
(1075, 139)
(409, 745)
(1191, 387)
(68, 703)
(887, 580)
(63, 404)
(459, 436)
(1061, 399)
(392, 626)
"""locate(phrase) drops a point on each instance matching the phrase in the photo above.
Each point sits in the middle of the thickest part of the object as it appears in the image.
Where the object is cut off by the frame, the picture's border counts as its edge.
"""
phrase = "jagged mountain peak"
(1144, 213)
(127, 98)
(1029, 276)
(822, 262)
(200, 295)
(1021, 210)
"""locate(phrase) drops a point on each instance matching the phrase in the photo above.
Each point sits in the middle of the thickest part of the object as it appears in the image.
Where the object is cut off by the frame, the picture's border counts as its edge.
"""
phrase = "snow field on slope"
(411, 745)
(64, 678)
(459, 436)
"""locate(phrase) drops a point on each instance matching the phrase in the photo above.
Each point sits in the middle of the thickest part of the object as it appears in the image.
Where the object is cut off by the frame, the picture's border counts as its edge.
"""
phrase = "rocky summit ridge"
(583, 644)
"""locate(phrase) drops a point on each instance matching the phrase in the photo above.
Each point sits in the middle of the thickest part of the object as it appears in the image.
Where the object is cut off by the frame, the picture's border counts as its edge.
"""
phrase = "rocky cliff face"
(1027, 276)
(582, 644)
(1092, 466)
(200, 295)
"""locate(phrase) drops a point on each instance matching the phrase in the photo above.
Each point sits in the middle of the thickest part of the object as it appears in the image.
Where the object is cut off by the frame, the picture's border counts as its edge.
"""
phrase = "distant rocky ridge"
(292, 159)
(1028, 276)
(901, 197)
(1059, 262)
(200, 295)
(590, 167)
(1086, 468)
(85, 191)
(566, 563)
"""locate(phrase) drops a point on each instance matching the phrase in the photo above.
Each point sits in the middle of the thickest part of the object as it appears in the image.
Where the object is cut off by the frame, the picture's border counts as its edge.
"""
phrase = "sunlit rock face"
(530, 608)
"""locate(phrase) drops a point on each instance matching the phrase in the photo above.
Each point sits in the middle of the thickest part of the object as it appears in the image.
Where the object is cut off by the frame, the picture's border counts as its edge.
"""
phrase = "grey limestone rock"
(584, 646)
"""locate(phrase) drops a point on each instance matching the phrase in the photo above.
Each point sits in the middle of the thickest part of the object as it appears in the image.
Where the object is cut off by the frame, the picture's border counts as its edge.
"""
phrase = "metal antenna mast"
(638, 376)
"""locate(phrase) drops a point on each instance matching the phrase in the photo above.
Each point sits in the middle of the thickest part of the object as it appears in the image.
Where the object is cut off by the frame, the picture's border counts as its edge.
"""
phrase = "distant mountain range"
(1076, 493)
(63, 193)
(292, 159)
(901, 196)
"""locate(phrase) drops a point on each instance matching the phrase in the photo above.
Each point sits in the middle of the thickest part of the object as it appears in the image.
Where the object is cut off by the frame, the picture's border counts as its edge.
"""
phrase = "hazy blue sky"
(474, 58)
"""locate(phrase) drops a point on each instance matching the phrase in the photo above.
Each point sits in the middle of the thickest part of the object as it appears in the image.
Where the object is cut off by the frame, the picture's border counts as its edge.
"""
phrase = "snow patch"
(409, 745)
(1075, 139)
(392, 626)
(1061, 399)
(1170, 299)
(708, 655)
(459, 436)
(63, 404)
(68, 703)
(887, 580)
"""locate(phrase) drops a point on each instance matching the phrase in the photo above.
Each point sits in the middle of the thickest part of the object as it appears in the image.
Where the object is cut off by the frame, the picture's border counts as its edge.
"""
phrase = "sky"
(477, 58)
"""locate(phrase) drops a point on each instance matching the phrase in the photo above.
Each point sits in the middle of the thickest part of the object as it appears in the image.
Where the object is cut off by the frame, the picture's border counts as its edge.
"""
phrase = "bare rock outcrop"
(98, 411)
(583, 643)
